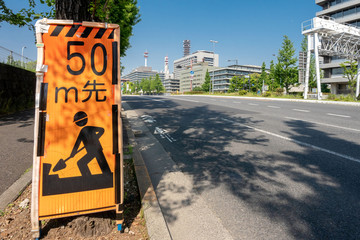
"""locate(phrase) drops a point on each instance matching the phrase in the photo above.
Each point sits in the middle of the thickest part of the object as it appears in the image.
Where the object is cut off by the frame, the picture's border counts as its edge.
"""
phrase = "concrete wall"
(17, 88)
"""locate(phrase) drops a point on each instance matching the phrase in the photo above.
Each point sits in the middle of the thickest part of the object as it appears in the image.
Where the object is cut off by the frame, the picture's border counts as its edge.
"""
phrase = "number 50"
(79, 55)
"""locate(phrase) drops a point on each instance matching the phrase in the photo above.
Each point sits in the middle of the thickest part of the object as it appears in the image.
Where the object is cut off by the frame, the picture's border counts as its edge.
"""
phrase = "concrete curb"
(15, 189)
(155, 223)
(283, 99)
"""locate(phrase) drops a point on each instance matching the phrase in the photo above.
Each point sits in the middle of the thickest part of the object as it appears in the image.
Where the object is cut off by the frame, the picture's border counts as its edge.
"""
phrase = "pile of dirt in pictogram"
(15, 221)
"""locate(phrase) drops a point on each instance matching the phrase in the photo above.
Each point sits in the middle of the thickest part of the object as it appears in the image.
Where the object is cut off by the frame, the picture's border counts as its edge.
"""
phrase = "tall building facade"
(196, 57)
(142, 73)
(345, 12)
(221, 77)
(171, 85)
(194, 76)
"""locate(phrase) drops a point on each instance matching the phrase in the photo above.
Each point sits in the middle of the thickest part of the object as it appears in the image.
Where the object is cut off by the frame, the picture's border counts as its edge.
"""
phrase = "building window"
(338, 72)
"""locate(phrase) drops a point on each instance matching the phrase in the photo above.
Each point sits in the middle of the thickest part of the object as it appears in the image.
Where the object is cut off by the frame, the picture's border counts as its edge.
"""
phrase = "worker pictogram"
(89, 137)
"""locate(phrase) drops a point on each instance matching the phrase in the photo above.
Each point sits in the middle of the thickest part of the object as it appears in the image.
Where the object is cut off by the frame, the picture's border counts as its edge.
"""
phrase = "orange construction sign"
(78, 144)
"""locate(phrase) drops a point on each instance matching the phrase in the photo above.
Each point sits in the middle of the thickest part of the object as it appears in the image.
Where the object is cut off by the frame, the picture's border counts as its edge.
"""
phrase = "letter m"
(57, 90)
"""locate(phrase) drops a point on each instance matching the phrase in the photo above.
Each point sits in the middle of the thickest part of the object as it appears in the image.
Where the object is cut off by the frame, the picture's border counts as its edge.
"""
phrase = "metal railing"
(309, 24)
(17, 60)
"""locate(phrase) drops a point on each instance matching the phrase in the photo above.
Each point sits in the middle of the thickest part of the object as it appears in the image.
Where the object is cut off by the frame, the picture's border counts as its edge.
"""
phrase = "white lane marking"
(236, 102)
(298, 142)
(163, 134)
(253, 104)
(300, 110)
(325, 124)
(273, 107)
(338, 115)
(181, 99)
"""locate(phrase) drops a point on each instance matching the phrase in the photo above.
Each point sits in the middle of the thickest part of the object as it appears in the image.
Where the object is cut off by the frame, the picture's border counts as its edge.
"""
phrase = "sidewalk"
(172, 208)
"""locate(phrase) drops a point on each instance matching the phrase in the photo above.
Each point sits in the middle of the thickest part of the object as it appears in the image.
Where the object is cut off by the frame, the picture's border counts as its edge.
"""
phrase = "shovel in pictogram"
(61, 164)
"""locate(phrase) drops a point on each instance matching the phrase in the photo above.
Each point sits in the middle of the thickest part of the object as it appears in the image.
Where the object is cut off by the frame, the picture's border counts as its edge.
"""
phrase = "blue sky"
(250, 31)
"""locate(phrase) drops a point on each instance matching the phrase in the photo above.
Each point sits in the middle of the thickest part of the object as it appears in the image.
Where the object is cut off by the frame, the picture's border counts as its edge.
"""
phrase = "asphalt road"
(16, 141)
(267, 169)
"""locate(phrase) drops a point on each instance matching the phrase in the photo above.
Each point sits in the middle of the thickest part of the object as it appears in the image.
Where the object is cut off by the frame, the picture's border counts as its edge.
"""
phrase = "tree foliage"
(271, 82)
(125, 13)
(237, 83)
(150, 85)
(286, 69)
(206, 86)
(350, 72)
(263, 76)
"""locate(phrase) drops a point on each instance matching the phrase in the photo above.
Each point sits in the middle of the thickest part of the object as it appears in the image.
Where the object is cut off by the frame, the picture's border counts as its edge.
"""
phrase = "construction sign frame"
(77, 118)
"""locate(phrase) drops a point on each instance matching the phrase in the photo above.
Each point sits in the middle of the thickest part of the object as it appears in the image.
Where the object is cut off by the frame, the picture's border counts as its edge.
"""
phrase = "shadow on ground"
(315, 195)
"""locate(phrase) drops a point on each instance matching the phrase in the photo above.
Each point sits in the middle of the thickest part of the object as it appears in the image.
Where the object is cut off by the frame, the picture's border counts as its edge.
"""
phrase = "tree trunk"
(76, 10)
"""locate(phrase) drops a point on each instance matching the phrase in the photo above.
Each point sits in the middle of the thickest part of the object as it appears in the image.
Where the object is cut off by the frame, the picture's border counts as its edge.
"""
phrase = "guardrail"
(15, 59)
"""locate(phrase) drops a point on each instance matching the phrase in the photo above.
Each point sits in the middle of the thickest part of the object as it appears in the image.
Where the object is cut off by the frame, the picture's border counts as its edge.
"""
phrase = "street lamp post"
(213, 42)
(22, 56)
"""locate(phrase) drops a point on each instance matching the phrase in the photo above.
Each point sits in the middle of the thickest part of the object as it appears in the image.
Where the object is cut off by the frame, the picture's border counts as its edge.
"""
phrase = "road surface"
(267, 169)
(16, 141)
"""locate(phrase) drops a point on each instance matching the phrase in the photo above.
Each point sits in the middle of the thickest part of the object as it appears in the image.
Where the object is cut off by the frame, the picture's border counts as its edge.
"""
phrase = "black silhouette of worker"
(89, 136)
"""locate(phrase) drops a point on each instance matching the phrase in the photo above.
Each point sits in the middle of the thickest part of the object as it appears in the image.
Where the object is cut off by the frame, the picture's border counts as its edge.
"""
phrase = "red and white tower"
(146, 55)
(166, 68)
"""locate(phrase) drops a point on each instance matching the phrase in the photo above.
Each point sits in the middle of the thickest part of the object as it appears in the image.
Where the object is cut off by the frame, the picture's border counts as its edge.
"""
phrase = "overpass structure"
(326, 37)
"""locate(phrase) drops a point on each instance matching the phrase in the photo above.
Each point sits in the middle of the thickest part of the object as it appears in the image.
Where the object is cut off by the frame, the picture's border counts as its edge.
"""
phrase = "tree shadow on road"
(23, 118)
(307, 193)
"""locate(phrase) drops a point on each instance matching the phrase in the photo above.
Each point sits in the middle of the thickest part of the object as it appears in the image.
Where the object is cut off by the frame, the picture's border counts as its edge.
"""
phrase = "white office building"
(345, 12)
(196, 57)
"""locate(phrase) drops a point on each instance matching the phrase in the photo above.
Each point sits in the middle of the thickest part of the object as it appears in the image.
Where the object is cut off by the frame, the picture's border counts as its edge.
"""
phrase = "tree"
(122, 12)
(286, 67)
(271, 82)
(263, 76)
(350, 72)
(157, 84)
(197, 89)
(255, 83)
(206, 87)
(145, 85)
(234, 84)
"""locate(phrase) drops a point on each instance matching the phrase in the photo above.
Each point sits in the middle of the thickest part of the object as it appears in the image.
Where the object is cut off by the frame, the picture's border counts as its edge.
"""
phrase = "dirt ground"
(15, 220)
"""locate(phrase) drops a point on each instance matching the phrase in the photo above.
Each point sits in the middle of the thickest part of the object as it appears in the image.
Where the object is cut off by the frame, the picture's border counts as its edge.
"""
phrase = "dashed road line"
(296, 141)
(253, 104)
(273, 107)
(338, 115)
(300, 110)
(188, 100)
(325, 124)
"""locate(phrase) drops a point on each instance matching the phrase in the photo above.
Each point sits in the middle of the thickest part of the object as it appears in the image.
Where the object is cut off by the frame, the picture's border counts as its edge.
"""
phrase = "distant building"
(222, 76)
(189, 81)
(171, 85)
(345, 12)
(196, 57)
(186, 46)
(142, 73)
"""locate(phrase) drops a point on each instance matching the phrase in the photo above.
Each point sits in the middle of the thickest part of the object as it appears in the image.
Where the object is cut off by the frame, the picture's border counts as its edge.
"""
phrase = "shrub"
(266, 94)
(242, 92)
(194, 92)
(279, 91)
(331, 97)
